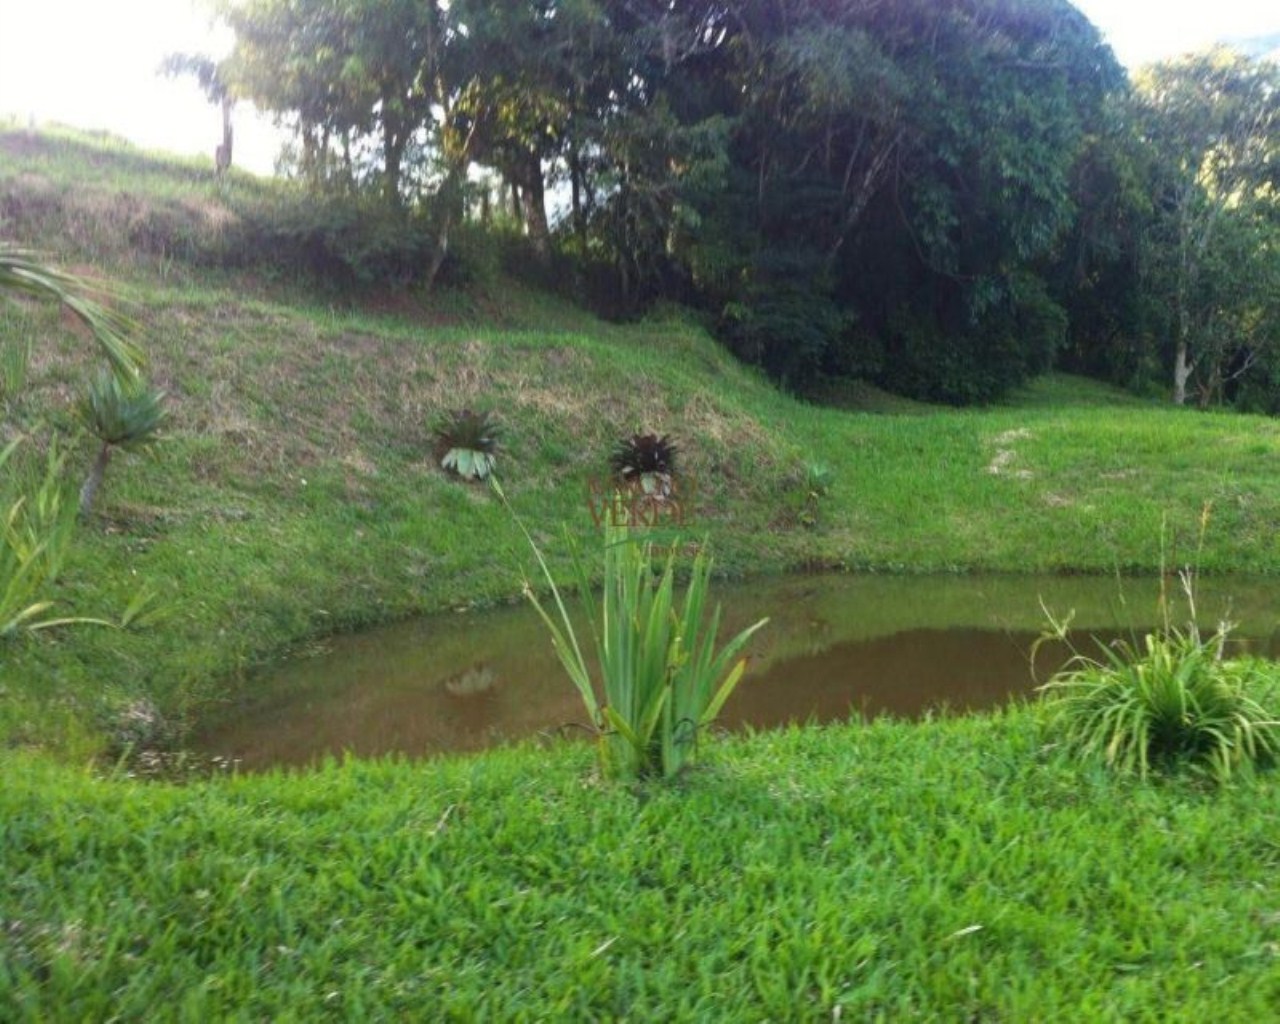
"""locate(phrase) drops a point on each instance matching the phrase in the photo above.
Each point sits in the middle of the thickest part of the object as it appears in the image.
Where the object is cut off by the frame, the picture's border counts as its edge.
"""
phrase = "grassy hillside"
(296, 493)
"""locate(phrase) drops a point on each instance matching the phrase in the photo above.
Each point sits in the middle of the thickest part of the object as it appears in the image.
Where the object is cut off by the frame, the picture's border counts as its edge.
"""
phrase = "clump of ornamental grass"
(662, 679)
(1170, 701)
(467, 443)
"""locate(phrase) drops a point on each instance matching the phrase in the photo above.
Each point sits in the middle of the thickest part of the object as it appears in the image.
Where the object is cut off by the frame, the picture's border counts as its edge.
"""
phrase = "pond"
(834, 646)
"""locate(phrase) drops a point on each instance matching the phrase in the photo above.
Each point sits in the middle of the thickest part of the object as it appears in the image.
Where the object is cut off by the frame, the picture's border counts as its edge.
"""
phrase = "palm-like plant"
(124, 416)
(467, 443)
(646, 461)
(20, 271)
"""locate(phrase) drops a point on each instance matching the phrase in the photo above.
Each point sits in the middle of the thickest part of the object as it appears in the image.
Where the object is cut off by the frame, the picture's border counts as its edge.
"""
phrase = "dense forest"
(944, 197)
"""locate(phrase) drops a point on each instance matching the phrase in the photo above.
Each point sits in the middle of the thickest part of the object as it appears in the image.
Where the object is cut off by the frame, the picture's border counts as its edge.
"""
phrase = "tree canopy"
(944, 196)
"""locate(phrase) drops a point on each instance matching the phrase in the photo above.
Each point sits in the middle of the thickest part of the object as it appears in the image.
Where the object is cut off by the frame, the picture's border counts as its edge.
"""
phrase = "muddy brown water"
(834, 646)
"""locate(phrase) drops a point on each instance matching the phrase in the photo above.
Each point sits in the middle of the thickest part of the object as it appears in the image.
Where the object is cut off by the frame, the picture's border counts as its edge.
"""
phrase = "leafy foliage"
(467, 443)
(20, 271)
(1174, 700)
(125, 416)
(662, 680)
(643, 455)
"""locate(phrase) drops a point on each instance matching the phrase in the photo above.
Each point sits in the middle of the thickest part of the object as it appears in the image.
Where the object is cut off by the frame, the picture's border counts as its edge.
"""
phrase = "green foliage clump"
(467, 443)
(1172, 701)
(340, 241)
(126, 416)
(36, 528)
(662, 679)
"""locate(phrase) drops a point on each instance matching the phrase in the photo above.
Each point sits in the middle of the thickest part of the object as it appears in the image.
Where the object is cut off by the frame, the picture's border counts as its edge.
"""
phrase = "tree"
(346, 71)
(205, 71)
(1212, 123)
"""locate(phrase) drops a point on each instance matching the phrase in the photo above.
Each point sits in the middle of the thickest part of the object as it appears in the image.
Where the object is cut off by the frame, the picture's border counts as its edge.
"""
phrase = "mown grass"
(955, 870)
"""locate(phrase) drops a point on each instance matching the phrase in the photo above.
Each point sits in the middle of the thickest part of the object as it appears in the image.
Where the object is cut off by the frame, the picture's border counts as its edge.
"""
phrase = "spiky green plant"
(128, 417)
(643, 453)
(644, 461)
(21, 271)
(36, 527)
(662, 680)
(1169, 701)
(467, 443)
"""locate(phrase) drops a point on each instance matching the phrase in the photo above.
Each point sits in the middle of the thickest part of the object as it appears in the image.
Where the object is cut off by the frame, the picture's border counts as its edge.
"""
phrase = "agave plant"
(646, 461)
(467, 443)
(124, 416)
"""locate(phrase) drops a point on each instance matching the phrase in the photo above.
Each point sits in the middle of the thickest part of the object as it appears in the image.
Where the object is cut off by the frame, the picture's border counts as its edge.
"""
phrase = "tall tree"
(1212, 124)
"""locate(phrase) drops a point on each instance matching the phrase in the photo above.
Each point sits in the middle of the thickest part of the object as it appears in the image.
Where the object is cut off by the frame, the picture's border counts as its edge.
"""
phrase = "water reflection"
(834, 646)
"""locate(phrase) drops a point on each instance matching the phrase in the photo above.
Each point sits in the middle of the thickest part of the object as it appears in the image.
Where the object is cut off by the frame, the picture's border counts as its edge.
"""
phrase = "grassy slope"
(800, 871)
(296, 495)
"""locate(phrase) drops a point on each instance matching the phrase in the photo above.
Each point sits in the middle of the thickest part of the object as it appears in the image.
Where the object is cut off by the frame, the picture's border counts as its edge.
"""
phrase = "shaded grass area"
(958, 869)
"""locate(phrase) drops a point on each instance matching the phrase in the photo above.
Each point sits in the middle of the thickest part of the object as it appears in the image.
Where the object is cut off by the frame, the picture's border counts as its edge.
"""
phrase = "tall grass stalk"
(662, 678)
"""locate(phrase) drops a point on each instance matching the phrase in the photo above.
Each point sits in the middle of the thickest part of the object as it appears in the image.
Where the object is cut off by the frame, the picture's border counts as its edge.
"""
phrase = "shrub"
(1172, 700)
(662, 679)
(467, 443)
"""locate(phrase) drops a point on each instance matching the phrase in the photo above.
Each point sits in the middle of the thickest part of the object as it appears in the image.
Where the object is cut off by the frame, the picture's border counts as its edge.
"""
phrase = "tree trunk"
(448, 199)
(222, 155)
(579, 218)
(535, 207)
(1182, 368)
(392, 152)
(226, 126)
(94, 480)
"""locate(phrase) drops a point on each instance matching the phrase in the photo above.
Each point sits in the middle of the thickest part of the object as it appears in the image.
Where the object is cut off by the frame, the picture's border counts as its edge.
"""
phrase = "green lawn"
(958, 870)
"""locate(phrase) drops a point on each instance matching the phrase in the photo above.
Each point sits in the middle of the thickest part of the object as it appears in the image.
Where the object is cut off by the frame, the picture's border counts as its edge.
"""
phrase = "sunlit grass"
(951, 870)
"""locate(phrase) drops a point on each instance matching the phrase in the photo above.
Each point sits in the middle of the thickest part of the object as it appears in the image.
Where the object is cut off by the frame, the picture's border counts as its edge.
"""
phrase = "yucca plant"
(1169, 701)
(645, 461)
(121, 416)
(662, 678)
(467, 443)
(21, 271)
